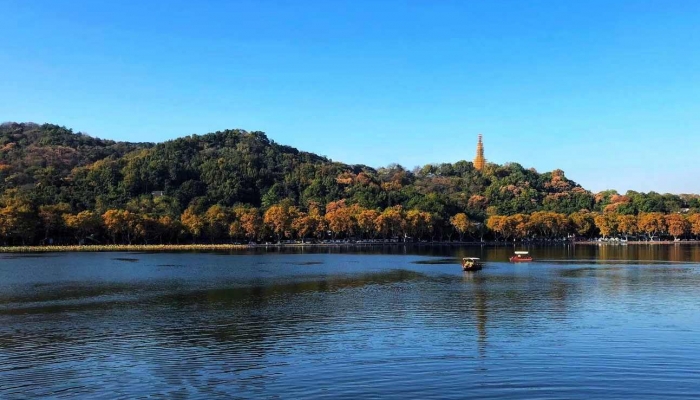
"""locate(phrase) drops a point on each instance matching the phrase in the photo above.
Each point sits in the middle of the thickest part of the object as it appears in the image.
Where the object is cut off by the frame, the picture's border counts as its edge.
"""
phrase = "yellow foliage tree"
(606, 224)
(627, 225)
(502, 225)
(123, 224)
(235, 230)
(391, 222)
(460, 222)
(418, 223)
(83, 224)
(582, 223)
(340, 218)
(548, 224)
(192, 222)
(694, 220)
(216, 222)
(17, 218)
(367, 222)
(495, 223)
(521, 225)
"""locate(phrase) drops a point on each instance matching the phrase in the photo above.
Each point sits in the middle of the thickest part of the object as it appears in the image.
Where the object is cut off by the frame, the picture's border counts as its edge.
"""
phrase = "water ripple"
(346, 326)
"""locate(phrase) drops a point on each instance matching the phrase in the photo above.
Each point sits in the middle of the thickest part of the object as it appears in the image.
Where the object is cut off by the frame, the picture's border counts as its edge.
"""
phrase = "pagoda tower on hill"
(479, 161)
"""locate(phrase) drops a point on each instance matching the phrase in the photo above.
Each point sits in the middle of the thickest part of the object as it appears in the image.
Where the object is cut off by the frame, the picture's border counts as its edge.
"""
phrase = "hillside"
(54, 173)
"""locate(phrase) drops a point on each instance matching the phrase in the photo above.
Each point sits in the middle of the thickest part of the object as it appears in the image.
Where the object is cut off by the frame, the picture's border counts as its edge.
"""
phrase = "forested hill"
(48, 169)
(51, 164)
(32, 154)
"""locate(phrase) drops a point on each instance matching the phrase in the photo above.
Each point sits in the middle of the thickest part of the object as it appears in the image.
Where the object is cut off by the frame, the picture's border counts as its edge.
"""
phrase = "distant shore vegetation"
(64, 188)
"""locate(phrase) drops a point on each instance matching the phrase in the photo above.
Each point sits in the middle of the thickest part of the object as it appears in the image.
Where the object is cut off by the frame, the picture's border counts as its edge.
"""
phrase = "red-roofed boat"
(521, 256)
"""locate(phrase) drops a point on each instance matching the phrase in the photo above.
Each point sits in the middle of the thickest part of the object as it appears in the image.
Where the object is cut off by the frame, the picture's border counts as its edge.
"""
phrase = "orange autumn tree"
(694, 220)
(340, 218)
(317, 220)
(311, 223)
(279, 218)
(496, 223)
(250, 221)
(677, 225)
(301, 225)
(521, 225)
(652, 223)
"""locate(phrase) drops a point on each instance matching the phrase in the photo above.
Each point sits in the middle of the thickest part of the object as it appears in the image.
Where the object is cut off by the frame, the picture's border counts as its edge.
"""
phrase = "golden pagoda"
(479, 161)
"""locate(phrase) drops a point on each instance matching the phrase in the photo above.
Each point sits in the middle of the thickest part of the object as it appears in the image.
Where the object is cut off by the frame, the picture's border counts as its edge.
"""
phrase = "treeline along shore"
(230, 247)
(235, 188)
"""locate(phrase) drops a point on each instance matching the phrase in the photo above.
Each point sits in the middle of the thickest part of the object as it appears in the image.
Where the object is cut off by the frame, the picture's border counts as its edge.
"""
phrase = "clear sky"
(608, 91)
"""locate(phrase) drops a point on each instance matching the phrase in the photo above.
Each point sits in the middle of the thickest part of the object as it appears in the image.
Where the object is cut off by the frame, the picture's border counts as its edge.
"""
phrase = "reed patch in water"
(122, 247)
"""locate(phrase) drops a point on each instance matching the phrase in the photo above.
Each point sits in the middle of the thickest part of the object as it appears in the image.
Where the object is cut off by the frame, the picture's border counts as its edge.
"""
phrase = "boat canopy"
(522, 252)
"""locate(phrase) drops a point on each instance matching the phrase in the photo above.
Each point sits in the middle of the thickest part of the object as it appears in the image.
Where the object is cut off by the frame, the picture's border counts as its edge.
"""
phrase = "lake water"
(582, 322)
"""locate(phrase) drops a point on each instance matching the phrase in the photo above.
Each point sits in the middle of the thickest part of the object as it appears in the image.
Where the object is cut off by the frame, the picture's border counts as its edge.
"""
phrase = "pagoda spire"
(479, 161)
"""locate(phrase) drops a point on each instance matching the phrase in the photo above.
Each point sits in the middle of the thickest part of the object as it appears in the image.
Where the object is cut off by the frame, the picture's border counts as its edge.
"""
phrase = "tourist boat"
(521, 256)
(471, 264)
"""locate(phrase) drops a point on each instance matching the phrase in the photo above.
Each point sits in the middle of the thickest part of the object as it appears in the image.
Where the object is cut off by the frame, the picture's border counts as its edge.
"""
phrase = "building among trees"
(59, 187)
(479, 161)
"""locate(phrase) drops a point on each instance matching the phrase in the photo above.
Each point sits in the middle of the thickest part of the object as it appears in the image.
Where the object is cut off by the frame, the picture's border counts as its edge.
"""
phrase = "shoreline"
(637, 242)
(229, 247)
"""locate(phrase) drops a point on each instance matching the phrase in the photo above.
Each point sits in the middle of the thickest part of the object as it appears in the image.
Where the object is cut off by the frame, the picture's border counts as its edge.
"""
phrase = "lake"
(581, 322)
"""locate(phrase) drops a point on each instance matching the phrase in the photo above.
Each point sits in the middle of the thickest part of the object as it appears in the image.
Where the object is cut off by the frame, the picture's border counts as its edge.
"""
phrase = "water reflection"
(290, 325)
(479, 306)
(680, 252)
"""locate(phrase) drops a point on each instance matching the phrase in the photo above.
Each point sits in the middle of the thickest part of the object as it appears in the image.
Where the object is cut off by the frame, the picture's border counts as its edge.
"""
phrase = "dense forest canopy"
(62, 186)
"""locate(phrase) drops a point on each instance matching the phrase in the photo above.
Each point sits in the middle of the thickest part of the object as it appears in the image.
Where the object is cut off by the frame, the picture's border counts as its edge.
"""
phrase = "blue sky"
(607, 91)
